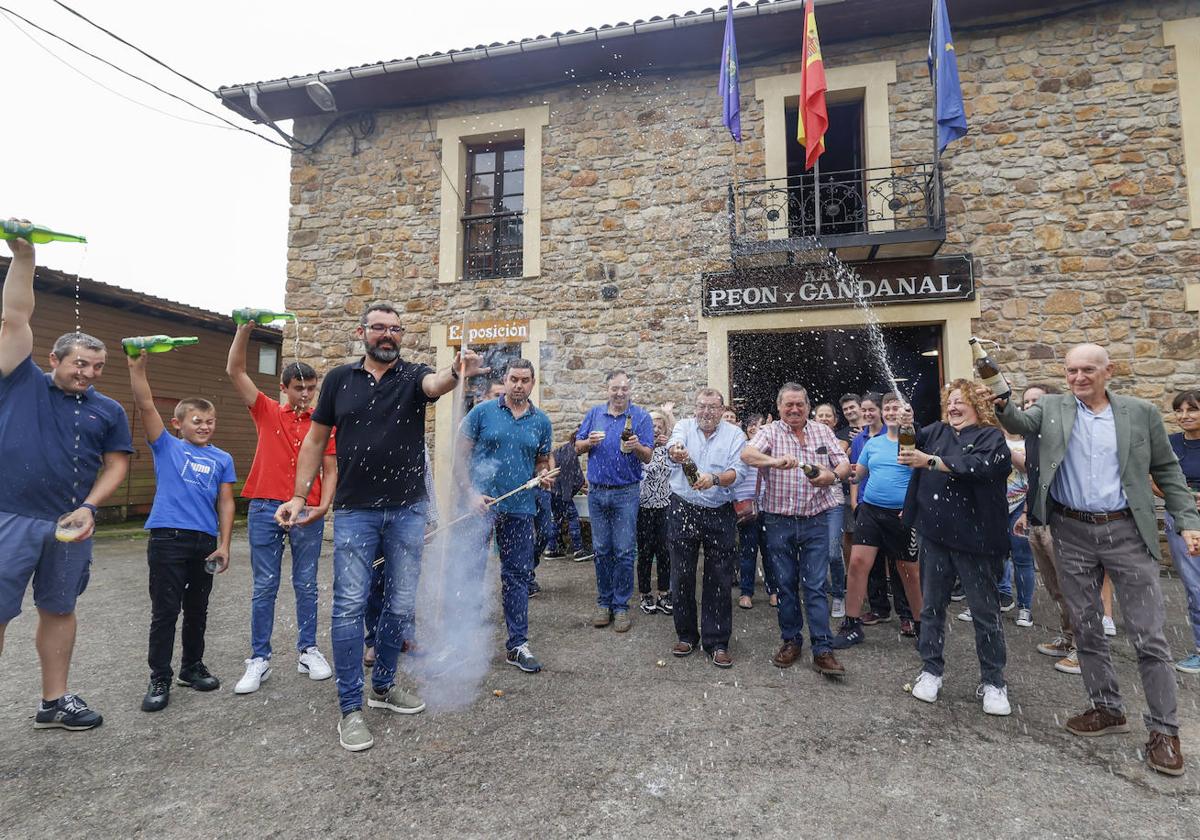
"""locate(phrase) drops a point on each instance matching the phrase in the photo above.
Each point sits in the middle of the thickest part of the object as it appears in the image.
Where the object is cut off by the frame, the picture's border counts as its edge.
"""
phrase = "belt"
(596, 486)
(1091, 518)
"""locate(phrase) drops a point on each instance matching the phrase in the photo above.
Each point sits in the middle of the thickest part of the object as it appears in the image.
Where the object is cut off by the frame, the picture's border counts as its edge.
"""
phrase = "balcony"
(862, 214)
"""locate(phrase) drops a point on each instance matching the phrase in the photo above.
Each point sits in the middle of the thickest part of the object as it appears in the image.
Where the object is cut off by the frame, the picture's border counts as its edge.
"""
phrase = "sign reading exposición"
(490, 332)
(769, 288)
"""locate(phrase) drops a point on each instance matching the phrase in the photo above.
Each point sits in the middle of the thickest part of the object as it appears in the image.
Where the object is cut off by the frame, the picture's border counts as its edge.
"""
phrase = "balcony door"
(842, 202)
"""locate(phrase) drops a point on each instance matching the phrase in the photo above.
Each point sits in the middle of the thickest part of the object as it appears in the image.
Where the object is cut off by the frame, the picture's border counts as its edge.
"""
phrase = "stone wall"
(1069, 191)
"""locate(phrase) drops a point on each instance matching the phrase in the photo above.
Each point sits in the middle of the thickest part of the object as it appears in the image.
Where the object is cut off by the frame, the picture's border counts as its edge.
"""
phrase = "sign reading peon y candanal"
(815, 286)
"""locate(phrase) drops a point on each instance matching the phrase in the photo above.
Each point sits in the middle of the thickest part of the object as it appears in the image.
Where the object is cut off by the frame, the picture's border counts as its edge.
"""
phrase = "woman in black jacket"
(956, 504)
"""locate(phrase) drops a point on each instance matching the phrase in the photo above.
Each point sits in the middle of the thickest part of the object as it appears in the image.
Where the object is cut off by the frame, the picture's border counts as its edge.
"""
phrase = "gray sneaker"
(621, 622)
(396, 699)
(353, 733)
(601, 617)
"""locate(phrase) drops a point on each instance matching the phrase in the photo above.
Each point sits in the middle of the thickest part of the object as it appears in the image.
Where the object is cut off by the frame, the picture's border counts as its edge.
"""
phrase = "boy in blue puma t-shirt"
(190, 524)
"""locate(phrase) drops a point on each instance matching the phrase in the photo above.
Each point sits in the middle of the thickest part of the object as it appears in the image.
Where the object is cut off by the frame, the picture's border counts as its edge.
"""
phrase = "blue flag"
(728, 86)
(943, 73)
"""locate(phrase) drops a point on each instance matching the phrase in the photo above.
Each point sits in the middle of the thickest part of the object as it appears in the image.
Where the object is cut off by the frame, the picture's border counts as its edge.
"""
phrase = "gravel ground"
(605, 742)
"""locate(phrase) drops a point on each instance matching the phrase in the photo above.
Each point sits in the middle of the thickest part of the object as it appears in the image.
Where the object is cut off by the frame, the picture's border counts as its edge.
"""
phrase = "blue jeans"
(565, 509)
(798, 551)
(752, 541)
(359, 536)
(266, 563)
(543, 524)
(1022, 562)
(614, 539)
(837, 564)
(376, 592)
(514, 536)
(1188, 569)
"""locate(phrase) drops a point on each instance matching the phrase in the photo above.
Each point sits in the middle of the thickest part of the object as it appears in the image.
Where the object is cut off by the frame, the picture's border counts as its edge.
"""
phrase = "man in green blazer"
(1097, 454)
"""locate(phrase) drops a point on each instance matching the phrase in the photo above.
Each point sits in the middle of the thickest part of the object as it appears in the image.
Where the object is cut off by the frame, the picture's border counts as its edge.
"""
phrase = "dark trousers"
(877, 587)
(652, 549)
(689, 527)
(940, 565)
(564, 511)
(178, 582)
(1084, 553)
(752, 542)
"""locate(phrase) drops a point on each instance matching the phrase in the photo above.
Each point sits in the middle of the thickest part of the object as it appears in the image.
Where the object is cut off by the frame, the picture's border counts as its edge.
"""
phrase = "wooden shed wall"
(190, 371)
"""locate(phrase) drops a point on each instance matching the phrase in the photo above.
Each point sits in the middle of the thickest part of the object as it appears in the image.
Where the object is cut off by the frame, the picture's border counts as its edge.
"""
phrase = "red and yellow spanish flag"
(814, 119)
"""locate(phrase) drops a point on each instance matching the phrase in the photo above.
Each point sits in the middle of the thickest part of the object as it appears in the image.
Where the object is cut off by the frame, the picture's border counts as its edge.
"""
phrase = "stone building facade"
(1071, 195)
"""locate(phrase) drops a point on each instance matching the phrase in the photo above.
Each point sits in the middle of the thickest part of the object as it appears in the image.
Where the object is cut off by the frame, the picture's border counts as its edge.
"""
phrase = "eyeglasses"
(380, 329)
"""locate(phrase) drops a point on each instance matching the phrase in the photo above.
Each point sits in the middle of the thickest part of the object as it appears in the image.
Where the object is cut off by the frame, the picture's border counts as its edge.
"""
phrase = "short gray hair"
(710, 392)
(72, 340)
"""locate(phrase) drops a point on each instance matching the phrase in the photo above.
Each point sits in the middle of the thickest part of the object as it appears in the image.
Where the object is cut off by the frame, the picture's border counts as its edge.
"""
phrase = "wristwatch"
(90, 507)
(454, 373)
(932, 463)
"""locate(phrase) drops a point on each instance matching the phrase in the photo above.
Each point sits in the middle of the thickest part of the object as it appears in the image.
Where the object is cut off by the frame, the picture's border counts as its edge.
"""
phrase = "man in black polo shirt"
(378, 406)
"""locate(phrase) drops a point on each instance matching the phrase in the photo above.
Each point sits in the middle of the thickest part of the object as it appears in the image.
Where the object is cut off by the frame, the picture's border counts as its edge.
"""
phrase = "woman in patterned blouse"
(652, 520)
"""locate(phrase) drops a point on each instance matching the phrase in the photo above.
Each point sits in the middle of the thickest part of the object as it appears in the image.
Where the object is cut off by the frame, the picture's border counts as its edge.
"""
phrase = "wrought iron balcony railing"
(493, 245)
(854, 208)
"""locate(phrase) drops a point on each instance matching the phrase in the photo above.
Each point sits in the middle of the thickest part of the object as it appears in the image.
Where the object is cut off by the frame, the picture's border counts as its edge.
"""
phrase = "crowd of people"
(850, 517)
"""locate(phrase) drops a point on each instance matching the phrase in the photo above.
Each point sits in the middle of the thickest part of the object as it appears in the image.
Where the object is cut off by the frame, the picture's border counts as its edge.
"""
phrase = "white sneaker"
(839, 608)
(314, 664)
(995, 700)
(965, 615)
(927, 687)
(1110, 627)
(257, 670)
(1024, 618)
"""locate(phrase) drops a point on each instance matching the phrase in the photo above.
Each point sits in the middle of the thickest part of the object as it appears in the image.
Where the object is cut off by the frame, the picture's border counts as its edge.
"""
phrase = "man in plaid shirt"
(795, 513)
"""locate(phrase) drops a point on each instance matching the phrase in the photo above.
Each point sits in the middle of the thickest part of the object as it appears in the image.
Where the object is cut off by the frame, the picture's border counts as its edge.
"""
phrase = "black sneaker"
(648, 604)
(534, 588)
(582, 554)
(67, 712)
(555, 554)
(158, 694)
(1006, 602)
(664, 605)
(523, 659)
(848, 635)
(198, 677)
(957, 594)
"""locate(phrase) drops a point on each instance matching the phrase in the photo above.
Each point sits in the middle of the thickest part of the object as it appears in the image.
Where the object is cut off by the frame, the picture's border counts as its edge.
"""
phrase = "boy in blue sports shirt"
(191, 523)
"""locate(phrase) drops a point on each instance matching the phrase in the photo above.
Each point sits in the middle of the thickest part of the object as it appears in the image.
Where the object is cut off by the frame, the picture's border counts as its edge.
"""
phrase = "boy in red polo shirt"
(281, 429)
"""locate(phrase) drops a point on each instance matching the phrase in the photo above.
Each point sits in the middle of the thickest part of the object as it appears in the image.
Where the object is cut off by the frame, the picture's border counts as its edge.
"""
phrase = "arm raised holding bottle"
(16, 335)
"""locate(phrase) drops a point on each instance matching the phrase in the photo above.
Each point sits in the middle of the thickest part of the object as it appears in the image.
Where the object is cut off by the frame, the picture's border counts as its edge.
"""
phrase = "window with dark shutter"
(493, 226)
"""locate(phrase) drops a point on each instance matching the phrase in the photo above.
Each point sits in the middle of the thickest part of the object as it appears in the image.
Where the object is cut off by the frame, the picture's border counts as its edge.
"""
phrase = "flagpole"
(736, 188)
(935, 176)
(817, 195)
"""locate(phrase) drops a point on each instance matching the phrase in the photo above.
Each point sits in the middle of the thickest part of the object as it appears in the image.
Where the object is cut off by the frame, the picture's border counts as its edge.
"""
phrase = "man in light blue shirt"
(1090, 476)
(701, 514)
(1097, 452)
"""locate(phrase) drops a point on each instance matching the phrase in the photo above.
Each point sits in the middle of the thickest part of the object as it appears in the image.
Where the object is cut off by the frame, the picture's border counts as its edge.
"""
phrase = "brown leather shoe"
(1096, 722)
(825, 663)
(1163, 755)
(787, 655)
(721, 658)
(682, 648)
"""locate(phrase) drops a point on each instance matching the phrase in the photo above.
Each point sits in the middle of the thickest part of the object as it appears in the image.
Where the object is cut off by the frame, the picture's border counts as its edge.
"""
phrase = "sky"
(189, 212)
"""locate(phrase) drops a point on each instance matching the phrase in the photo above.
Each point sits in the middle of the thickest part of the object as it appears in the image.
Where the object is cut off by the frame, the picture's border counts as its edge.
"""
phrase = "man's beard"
(381, 353)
